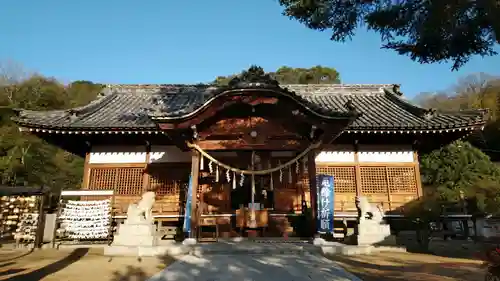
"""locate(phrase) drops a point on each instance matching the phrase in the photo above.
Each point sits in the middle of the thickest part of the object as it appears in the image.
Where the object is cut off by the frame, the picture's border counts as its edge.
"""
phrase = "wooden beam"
(195, 175)
(243, 145)
(311, 172)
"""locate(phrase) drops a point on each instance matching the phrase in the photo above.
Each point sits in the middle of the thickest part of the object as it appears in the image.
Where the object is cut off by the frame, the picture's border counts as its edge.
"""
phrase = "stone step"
(252, 249)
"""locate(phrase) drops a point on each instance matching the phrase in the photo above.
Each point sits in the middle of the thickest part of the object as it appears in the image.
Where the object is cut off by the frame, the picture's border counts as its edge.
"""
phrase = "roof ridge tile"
(300, 88)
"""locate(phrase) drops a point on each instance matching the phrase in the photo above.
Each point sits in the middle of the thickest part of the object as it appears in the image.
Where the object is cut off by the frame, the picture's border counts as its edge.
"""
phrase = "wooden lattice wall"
(167, 180)
(389, 186)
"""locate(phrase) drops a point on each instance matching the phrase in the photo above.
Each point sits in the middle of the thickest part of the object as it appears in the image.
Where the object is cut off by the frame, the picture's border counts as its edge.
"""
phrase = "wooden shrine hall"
(253, 144)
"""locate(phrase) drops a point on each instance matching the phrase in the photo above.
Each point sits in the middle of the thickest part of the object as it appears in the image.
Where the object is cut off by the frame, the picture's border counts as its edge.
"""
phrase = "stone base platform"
(147, 251)
(252, 248)
(219, 248)
(247, 248)
(136, 235)
(335, 248)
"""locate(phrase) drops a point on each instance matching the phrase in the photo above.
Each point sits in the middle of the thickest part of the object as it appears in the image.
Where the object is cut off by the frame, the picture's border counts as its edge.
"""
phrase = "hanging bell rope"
(281, 172)
(217, 174)
(271, 183)
(234, 180)
(257, 172)
(252, 214)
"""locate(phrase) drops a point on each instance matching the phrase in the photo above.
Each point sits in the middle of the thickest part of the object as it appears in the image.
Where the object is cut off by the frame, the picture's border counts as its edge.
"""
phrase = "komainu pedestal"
(135, 234)
(138, 229)
(372, 228)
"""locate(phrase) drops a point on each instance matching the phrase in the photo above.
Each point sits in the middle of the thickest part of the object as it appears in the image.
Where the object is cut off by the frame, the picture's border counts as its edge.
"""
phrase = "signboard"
(187, 212)
(325, 189)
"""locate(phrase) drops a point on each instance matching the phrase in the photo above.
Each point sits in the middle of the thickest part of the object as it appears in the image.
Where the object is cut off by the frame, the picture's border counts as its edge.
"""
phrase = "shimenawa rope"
(251, 172)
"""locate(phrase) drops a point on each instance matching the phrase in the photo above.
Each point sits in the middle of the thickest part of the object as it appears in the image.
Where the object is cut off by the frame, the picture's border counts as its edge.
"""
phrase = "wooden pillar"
(387, 180)
(86, 168)
(357, 169)
(418, 178)
(195, 174)
(145, 175)
(40, 227)
(311, 172)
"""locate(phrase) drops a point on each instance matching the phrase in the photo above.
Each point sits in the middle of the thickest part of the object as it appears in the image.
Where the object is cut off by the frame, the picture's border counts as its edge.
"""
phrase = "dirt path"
(75, 265)
(410, 266)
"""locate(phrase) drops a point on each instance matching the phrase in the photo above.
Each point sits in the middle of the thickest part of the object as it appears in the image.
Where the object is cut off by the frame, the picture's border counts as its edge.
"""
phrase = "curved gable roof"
(128, 107)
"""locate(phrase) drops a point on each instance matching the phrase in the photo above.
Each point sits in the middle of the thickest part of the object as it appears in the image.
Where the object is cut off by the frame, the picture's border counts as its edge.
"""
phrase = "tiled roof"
(128, 107)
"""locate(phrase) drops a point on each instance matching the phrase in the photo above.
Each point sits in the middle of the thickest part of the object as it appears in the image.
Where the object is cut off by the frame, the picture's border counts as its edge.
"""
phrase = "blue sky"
(194, 41)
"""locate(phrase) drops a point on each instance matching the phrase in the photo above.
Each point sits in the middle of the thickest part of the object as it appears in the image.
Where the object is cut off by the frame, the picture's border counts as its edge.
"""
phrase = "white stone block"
(189, 241)
(318, 241)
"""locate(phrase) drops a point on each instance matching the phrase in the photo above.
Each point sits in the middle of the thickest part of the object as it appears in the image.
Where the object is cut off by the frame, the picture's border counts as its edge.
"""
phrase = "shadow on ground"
(132, 273)
(410, 267)
(237, 266)
(376, 267)
(47, 270)
(17, 257)
(137, 273)
(262, 267)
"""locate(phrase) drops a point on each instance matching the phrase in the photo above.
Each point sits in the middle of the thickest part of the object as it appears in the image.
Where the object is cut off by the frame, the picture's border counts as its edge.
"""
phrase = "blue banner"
(187, 212)
(325, 189)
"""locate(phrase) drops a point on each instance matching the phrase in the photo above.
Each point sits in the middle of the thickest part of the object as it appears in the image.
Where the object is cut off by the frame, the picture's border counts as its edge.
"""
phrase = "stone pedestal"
(374, 233)
(135, 234)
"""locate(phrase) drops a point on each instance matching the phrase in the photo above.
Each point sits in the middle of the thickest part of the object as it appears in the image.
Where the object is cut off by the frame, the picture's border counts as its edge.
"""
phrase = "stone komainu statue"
(365, 209)
(142, 211)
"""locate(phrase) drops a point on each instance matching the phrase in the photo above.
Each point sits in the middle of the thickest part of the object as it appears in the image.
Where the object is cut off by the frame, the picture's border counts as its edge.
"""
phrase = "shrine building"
(253, 141)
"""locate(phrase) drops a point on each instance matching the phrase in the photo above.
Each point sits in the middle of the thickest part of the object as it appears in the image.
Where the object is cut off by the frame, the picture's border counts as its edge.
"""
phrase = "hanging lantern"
(202, 163)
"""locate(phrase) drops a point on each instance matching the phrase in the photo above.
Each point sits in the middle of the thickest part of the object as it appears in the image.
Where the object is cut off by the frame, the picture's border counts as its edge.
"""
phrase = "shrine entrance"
(253, 147)
(266, 199)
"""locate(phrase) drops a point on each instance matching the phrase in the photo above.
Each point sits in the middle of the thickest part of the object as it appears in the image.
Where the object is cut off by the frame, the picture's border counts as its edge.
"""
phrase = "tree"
(427, 31)
(474, 91)
(314, 75)
(83, 92)
(289, 75)
(479, 90)
(24, 157)
(459, 168)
